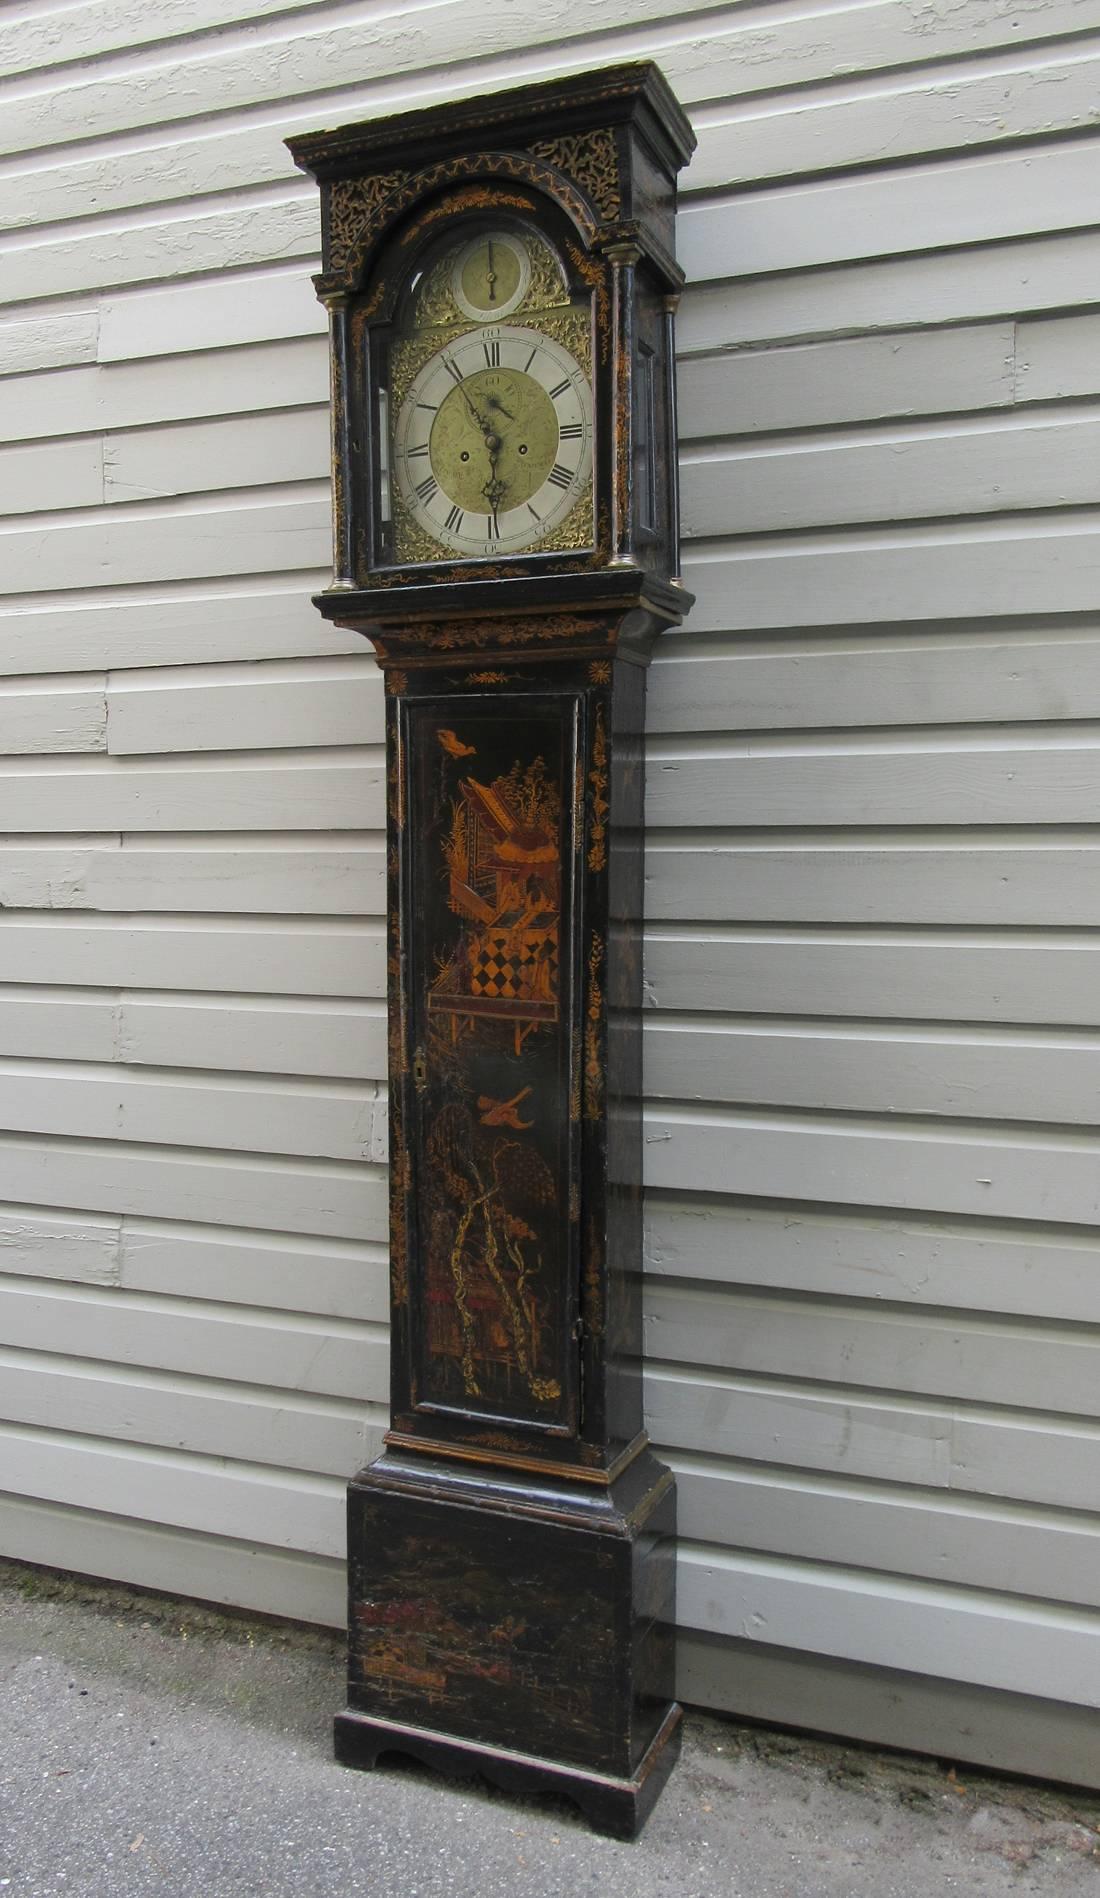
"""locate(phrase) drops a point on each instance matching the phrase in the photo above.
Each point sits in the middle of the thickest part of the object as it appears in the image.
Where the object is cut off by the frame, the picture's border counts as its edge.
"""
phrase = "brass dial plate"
(492, 444)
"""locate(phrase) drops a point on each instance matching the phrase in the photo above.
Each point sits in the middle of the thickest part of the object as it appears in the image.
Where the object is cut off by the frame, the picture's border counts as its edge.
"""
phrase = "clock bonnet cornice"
(511, 1552)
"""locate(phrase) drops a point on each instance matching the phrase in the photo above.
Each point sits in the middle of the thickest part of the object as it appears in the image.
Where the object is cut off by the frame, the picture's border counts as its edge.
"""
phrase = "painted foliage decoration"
(494, 1106)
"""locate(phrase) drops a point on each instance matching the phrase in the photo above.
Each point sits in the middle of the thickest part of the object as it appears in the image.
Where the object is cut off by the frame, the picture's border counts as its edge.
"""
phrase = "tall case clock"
(501, 285)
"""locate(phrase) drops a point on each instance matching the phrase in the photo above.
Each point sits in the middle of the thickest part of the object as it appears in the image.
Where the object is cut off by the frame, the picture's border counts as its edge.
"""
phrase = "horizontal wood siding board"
(280, 1508)
(909, 974)
(887, 680)
(320, 1199)
(157, 1411)
(1009, 1550)
(846, 881)
(976, 1358)
(975, 1636)
(173, 1561)
(956, 1074)
(106, 873)
(1015, 1733)
(280, 958)
(334, 1120)
(971, 1266)
(270, 63)
(320, 1355)
(272, 1271)
(967, 1449)
(132, 628)
(987, 1171)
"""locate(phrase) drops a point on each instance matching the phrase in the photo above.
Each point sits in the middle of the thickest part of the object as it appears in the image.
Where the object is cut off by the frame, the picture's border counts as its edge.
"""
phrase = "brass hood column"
(501, 281)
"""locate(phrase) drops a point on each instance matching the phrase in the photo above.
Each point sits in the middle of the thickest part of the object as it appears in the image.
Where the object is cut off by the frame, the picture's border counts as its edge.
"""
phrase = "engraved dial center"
(499, 425)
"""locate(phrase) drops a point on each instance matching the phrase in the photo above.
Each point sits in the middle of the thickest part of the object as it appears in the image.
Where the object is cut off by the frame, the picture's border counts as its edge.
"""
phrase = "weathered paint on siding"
(873, 1051)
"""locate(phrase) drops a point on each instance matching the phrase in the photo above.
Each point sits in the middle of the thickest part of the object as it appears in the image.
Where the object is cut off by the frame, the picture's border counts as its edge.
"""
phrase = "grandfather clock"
(500, 279)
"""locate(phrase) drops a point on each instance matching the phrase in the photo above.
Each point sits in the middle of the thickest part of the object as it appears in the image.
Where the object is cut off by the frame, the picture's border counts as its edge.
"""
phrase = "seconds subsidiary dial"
(492, 446)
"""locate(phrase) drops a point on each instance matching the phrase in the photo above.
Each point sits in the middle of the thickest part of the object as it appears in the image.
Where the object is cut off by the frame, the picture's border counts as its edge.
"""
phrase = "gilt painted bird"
(453, 745)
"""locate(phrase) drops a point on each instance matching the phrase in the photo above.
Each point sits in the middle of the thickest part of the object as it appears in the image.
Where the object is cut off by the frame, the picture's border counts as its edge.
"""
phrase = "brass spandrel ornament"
(501, 293)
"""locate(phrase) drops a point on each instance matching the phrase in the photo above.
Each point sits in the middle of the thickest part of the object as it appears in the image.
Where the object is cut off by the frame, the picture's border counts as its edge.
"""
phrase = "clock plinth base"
(521, 1631)
(618, 1808)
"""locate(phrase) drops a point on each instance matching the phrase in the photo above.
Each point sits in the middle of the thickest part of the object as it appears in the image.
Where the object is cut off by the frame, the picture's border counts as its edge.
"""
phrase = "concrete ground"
(152, 1747)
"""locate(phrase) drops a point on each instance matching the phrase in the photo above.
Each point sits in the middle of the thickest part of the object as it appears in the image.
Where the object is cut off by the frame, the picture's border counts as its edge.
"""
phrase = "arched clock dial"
(492, 446)
(491, 274)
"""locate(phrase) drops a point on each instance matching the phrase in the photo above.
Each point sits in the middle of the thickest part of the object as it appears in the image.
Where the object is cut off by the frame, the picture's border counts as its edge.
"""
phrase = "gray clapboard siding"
(199, 1493)
(289, 60)
(973, 1266)
(875, 1619)
(170, 625)
(322, 1199)
(977, 975)
(255, 307)
(236, 1033)
(977, 1073)
(44, 341)
(342, 1041)
(78, 1249)
(208, 1417)
(49, 475)
(890, 474)
(348, 1280)
(987, 569)
(136, 545)
(845, 380)
(922, 1713)
(934, 206)
(192, 457)
(1058, 358)
(326, 1356)
(116, 254)
(1012, 1549)
(293, 876)
(1039, 1458)
(286, 1582)
(961, 779)
(280, 957)
(42, 40)
(250, 794)
(948, 880)
(1012, 1363)
(338, 703)
(979, 1170)
(330, 1120)
(940, 108)
(131, 395)
(67, 715)
(876, 678)
(961, 284)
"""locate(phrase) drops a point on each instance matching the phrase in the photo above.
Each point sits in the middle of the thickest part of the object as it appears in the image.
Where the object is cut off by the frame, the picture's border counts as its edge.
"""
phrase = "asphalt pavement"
(155, 1747)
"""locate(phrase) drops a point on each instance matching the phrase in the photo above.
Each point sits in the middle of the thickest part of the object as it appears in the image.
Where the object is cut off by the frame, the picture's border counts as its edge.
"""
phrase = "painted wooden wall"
(874, 1045)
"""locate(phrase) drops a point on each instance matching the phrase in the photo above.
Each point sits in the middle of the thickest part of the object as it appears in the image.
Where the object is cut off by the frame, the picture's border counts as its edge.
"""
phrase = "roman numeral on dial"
(492, 354)
(454, 520)
(571, 432)
(427, 489)
(561, 477)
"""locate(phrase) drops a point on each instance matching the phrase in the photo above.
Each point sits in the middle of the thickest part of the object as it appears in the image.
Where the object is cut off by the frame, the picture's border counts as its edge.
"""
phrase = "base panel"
(616, 1807)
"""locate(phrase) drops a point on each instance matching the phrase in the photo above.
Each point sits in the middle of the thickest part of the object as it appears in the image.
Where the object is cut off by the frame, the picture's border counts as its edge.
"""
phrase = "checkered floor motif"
(512, 968)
